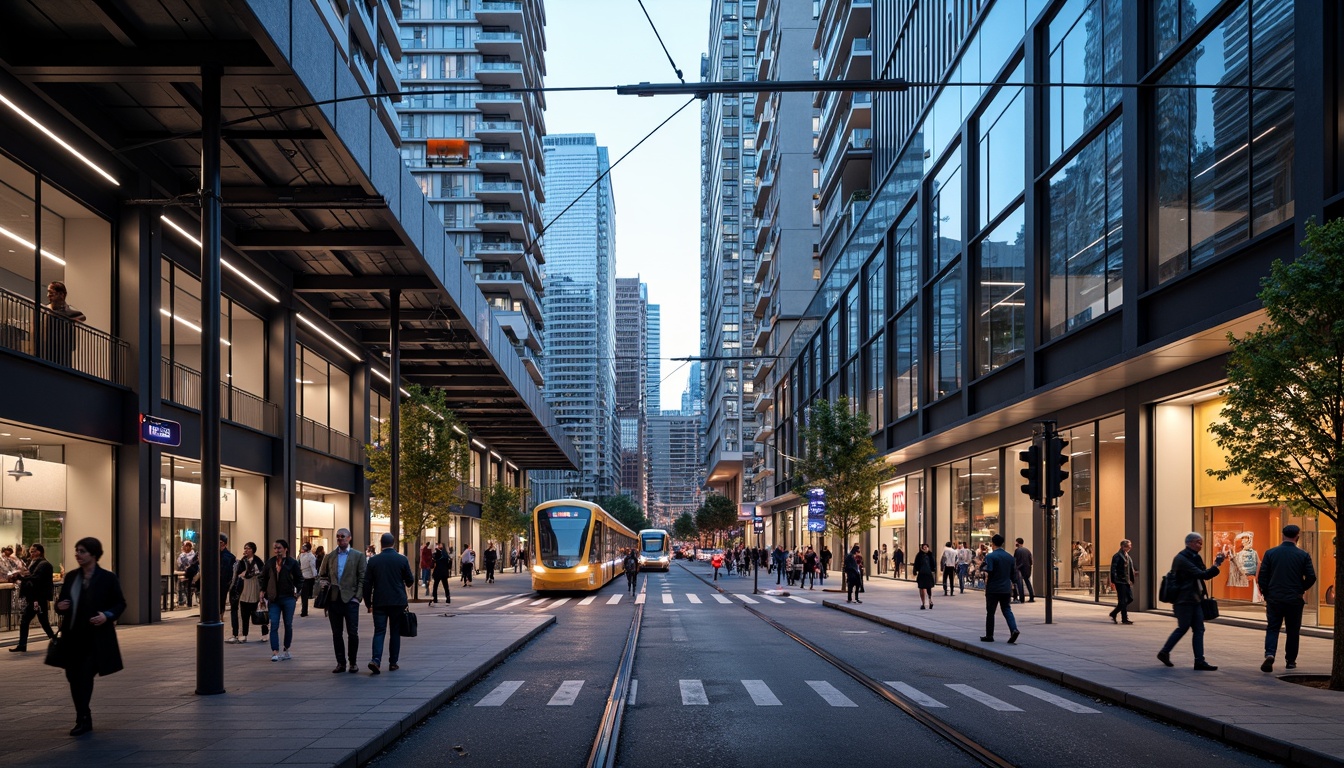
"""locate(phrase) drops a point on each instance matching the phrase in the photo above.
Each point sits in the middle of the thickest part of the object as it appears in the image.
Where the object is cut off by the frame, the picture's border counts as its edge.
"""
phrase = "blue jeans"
(1189, 616)
(278, 606)
(1278, 613)
(963, 569)
(381, 628)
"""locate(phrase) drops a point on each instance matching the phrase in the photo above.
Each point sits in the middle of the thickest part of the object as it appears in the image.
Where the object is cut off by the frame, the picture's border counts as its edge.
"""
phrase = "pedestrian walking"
(1123, 576)
(426, 564)
(468, 564)
(716, 560)
(631, 567)
(90, 603)
(281, 582)
(344, 570)
(853, 575)
(188, 566)
(307, 569)
(877, 561)
(227, 562)
(1185, 585)
(1023, 560)
(778, 559)
(35, 589)
(886, 560)
(491, 560)
(898, 561)
(245, 590)
(948, 560)
(1285, 575)
(385, 583)
(924, 567)
(810, 568)
(443, 570)
(999, 567)
(797, 566)
(825, 563)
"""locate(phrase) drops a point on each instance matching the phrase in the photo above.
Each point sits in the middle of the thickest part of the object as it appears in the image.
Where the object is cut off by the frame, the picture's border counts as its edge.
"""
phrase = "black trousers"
(1026, 582)
(40, 608)
(447, 593)
(344, 617)
(853, 585)
(1124, 595)
(1277, 613)
(949, 579)
(305, 594)
(80, 675)
(631, 577)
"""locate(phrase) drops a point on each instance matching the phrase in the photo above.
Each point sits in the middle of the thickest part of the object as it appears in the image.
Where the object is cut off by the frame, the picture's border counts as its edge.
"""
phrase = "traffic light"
(1055, 459)
(1032, 472)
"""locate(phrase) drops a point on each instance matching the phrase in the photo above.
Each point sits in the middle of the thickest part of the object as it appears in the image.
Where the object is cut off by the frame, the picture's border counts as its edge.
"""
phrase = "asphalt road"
(714, 685)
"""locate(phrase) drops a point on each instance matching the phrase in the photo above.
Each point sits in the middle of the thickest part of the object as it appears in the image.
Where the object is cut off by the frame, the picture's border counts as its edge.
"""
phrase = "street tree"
(503, 515)
(683, 528)
(839, 458)
(625, 509)
(716, 515)
(434, 463)
(1282, 427)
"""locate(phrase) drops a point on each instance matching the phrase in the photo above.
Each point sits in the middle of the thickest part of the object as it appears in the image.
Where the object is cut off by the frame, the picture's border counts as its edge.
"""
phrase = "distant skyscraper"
(580, 313)
(653, 391)
(693, 396)
(676, 473)
(631, 384)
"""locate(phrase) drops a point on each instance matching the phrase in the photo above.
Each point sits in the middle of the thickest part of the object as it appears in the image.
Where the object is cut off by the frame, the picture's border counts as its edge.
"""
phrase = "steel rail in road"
(603, 753)
(984, 755)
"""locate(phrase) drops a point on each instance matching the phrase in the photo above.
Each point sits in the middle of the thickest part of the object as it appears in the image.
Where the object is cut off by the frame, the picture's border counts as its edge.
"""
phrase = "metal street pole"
(1048, 508)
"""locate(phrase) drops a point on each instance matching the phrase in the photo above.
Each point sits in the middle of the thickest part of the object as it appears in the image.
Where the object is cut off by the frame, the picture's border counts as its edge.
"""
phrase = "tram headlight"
(581, 569)
(538, 569)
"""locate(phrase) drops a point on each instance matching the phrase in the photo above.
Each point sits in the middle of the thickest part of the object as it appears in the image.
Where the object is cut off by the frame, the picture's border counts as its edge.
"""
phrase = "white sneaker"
(284, 656)
(232, 641)
(275, 657)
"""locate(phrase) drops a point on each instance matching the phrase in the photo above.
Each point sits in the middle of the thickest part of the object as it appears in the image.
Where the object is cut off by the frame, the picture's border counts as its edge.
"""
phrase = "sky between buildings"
(657, 188)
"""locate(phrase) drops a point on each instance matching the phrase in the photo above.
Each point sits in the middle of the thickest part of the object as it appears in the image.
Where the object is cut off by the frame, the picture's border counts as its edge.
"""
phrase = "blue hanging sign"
(816, 510)
(160, 431)
(758, 525)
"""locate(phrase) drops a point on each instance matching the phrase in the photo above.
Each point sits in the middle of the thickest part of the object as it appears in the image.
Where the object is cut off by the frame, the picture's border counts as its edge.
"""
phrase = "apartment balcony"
(514, 283)
(847, 166)
(509, 162)
(844, 114)
(524, 328)
(763, 368)
(509, 249)
(764, 401)
(765, 148)
(504, 103)
(501, 132)
(764, 434)
(70, 345)
(510, 223)
(857, 20)
(765, 183)
(763, 331)
(500, 13)
(362, 25)
(512, 193)
(843, 223)
(859, 65)
(389, 77)
(507, 73)
(531, 363)
(763, 300)
(764, 260)
(500, 44)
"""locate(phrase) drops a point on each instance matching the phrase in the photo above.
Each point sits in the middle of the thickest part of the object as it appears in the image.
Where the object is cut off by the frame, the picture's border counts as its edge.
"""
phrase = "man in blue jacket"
(999, 568)
(1285, 576)
(385, 582)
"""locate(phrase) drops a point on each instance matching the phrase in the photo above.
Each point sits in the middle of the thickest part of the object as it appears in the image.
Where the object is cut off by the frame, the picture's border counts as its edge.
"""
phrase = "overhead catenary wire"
(675, 68)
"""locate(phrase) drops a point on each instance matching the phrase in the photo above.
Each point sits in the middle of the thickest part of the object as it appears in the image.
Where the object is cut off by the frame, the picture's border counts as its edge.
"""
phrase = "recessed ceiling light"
(25, 438)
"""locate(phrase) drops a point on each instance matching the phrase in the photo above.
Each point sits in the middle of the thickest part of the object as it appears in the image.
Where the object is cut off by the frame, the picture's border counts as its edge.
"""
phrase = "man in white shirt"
(963, 565)
(948, 561)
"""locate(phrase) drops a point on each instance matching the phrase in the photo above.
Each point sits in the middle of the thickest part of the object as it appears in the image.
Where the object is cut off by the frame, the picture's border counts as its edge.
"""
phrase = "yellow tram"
(577, 546)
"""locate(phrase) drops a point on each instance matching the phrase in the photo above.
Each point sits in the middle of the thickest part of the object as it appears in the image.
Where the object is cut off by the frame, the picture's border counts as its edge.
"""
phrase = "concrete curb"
(1259, 743)
(396, 730)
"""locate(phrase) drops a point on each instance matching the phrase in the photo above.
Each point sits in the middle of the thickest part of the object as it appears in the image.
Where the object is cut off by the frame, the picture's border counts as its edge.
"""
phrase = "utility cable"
(675, 68)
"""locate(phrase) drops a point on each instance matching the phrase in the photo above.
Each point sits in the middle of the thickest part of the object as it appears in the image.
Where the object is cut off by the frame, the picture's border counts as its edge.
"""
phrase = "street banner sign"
(816, 510)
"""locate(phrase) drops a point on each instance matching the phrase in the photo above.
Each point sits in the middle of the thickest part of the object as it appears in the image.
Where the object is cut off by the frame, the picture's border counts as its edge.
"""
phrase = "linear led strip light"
(223, 261)
(65, 145)
(21, 241)
(384, 377)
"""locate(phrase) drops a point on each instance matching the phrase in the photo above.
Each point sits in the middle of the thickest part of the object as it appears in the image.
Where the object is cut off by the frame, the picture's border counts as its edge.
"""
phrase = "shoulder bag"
(410, 623)
(323, 596)
(55, 652)
(1207, 605)
(1165, 589)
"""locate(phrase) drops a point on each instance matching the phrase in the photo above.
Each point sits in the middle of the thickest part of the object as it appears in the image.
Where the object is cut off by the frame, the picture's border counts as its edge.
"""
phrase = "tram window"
(561, 535)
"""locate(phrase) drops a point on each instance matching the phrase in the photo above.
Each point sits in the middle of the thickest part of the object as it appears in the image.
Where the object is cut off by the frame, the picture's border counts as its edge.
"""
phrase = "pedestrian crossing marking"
(667, 598)
(519, 601)
(830, 694)
(639, 599)
(491, 600)
(501, 694)
(615, 599)
(588, 600)
(693, 693)
(773, 599)
(721, 598)
(693, 598)
(634, 692)
(983, 698)
(566, 694)
(915, 695)
(746, 599)
(761, 694)
(559, 602)
(1058, 701)
(538, 602)
(802, 600)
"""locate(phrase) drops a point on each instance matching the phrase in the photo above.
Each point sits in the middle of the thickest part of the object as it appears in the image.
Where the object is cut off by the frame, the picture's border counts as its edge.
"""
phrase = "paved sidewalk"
(1084, 650)
(292, 713)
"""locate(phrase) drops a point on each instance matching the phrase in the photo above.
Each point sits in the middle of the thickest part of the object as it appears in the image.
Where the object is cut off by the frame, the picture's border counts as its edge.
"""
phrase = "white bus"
(655, 550)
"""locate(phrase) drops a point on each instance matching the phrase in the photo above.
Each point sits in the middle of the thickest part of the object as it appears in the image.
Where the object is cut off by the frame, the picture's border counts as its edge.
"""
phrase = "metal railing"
(62, 341)
(322, 438)
(182, 385)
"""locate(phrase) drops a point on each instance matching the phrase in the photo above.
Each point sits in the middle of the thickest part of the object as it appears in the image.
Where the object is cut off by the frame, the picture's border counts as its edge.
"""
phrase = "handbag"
(1209, 607)
(323, 596)
(410, 623)
(1164, 590)
(55, 652)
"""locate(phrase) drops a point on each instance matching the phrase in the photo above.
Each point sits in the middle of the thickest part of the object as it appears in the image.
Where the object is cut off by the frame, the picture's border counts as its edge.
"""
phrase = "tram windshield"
(561, 533)
(654, 543)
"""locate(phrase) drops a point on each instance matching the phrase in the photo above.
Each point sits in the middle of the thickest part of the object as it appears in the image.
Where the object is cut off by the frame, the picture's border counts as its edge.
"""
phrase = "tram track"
(945, 730)
(603, 752)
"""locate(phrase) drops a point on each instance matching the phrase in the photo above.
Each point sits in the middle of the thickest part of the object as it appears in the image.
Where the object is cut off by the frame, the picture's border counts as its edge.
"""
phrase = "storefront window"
(1000, 319)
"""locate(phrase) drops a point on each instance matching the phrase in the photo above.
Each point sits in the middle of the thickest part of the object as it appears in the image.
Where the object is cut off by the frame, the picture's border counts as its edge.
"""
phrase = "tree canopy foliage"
(625, 509)
(683, 528)
(716, 516)
(502, 514)
(839, 458)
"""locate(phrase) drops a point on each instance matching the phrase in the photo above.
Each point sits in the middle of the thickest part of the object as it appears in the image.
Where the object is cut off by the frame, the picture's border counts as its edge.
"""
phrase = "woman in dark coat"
(89, 604)
(924, 566)
(443, 570)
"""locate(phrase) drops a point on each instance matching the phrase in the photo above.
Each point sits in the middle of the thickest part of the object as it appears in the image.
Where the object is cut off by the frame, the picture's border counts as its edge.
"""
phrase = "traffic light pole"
(1048, 507)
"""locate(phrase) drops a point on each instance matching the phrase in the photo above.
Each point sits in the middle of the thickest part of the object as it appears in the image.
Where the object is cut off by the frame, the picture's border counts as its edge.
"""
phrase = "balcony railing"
(63, 342)
(182, 385)
(322, 438)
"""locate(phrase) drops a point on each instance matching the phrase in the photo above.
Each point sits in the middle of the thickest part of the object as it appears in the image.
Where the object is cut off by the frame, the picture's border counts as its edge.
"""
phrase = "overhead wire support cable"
(675, 68)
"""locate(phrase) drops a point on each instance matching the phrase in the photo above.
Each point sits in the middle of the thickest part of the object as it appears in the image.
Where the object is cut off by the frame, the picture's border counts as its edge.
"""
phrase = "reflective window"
(906, 249)
(1002, 147)
(1086, 235)
(852, 319)
(1085, 47)
(905, 373)
(833, 343)
(877, 294)
(945, 216)
(946, 334)
(1174, 20)
(877, 377)
(1000, 320)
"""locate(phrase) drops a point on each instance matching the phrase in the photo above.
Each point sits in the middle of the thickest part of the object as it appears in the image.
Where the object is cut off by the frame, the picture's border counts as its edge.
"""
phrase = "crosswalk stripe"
(1058, 701)
(773, 599)
(830, 694)
(558, 603)
(761, 694)
(720, 598)
(615, 599)
(491, 600)
(566, 694)
(693, 692)
(501, 694)
(519, 601)
(639, 599)
(667, 599)
(745, 599)
(634, 692)
(588, 600)
(693, 598)
(915, 695)
(802, 600)
(537, 602)
(983, 698)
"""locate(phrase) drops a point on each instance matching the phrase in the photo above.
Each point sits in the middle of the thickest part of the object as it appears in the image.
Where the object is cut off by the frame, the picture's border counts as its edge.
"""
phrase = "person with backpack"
(1184, 589)
(631, 567)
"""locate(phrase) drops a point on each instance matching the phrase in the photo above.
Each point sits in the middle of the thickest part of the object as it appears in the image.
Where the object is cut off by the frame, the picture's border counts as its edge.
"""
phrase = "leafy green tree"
(503, 515)
(839, 458)
(434, 463)
(717, 514)
(625, 509)
(1282, 426)
(683, 528)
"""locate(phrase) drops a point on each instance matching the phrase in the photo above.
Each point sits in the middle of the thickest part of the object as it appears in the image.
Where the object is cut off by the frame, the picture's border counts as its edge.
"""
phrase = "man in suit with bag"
(90, 603)
(385, 594)
(1186, 585)
(343, 571)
